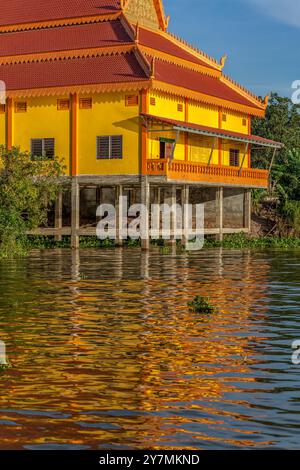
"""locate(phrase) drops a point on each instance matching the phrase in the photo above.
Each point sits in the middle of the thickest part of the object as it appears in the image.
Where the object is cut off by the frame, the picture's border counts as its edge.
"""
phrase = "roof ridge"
(242, 88)
(193, 48)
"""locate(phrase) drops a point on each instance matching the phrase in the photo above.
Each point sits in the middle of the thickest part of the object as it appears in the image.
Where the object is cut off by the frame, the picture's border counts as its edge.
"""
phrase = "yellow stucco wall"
(201, 148)
(203, 115)
(154, 144)
(166, 106)
(43, 120)
(108, 116)
(227, 145)
(234, 122)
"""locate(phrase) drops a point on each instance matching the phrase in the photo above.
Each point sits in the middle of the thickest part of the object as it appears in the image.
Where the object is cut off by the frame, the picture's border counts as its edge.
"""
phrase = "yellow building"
(127, 105)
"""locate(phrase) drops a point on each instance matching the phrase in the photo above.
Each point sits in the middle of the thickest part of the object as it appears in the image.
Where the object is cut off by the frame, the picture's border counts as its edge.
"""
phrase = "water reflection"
(105, 353)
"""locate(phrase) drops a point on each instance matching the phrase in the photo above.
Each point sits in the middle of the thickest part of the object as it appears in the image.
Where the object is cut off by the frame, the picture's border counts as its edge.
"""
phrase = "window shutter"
(103, 147)
(21, 107)
(49, 148)
(180, 107)
(234, 157)
(131, 100)
(116, 146)
(63, 105)
(85, 103)
(37, 147)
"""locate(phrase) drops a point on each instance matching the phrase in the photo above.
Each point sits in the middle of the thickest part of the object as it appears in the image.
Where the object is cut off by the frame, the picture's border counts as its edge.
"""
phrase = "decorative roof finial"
(137, 33)
(223, 60)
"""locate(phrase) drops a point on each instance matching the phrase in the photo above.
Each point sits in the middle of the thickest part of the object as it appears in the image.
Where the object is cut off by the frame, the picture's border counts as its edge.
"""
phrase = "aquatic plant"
(201, 305)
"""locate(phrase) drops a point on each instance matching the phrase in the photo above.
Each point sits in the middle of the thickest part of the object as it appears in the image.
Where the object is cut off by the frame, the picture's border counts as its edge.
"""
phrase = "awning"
(212, 132)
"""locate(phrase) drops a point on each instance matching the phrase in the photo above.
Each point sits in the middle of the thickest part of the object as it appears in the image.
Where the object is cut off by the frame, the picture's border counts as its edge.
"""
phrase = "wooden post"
(247, 210)
(119, 214)
(220, 210)
(58, 217)
(145, 200)
(156, 222)
(75, 215)
(185, 199)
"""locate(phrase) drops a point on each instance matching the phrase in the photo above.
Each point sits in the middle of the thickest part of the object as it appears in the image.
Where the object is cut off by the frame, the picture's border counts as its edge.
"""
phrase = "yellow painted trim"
(61, 22)
(181, 62)
(242, 91)
(67, 54)
(207, 99)
(188, 48)
(83, 89)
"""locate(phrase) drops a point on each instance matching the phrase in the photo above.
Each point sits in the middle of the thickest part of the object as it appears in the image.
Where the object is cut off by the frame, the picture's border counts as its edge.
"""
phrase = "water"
(106, 355)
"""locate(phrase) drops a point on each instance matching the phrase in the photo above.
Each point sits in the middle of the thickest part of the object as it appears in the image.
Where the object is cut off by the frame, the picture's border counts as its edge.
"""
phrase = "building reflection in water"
(110, 355)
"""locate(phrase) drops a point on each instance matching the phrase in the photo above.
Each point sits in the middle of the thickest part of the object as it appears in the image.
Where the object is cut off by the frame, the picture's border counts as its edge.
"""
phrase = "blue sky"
(260, 37)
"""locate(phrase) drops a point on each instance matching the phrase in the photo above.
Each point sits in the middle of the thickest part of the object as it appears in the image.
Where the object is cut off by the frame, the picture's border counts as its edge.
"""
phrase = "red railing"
(190, 171)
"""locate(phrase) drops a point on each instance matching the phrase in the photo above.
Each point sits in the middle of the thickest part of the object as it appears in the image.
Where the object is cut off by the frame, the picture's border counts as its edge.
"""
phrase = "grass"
(237, 241)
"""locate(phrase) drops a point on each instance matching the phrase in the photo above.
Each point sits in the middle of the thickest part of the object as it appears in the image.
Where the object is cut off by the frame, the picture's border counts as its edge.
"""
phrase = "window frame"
(236, 155)
(43, 141)
(110, 146)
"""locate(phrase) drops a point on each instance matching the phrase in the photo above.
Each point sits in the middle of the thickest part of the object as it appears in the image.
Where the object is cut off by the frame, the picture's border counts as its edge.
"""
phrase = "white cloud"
(287, 11)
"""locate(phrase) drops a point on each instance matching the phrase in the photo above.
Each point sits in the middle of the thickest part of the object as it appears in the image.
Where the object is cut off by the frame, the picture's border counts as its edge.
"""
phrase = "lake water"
(105, 354)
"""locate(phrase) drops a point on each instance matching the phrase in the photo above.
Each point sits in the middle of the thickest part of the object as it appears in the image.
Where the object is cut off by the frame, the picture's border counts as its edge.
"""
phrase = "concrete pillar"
(75, 213)
(119, 214)
(145, 200)
(247, 209)
(173, 203)
(220, 211)
(155, 215)
(58, 216)
(185, 199)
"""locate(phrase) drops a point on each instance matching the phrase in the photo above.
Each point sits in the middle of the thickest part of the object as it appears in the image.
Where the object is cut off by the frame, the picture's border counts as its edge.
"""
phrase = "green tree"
(27, 187)
(282, 124)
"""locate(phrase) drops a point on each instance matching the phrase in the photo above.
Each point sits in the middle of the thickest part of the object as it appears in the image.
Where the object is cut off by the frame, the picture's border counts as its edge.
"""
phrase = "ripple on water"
(106, 355)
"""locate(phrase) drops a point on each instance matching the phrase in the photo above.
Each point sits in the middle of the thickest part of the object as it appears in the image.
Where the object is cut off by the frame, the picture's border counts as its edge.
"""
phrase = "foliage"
(242, 241)
(201, 305)
(282, 124)
(27, 187)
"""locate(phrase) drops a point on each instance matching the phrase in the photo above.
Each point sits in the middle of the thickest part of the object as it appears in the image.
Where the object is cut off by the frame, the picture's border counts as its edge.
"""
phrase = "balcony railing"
(196, 172)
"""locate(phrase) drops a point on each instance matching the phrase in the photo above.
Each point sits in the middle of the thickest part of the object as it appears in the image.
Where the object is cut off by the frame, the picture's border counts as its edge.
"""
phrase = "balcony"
(209, 174)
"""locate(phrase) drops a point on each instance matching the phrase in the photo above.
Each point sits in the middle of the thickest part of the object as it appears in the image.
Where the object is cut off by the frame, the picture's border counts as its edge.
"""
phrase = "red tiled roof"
(108, 33)
(195, 81)
(33, 11)
(72, 72)
(217, 132)
(157, 41)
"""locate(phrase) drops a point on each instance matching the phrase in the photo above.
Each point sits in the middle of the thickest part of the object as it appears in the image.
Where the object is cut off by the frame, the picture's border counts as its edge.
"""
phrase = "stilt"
(58, 217)
(145, 199)
(119, 214)
(185, 199)
(247, 210)
(173, 215)
(220, 211)
(75, 216)
(156, 214)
